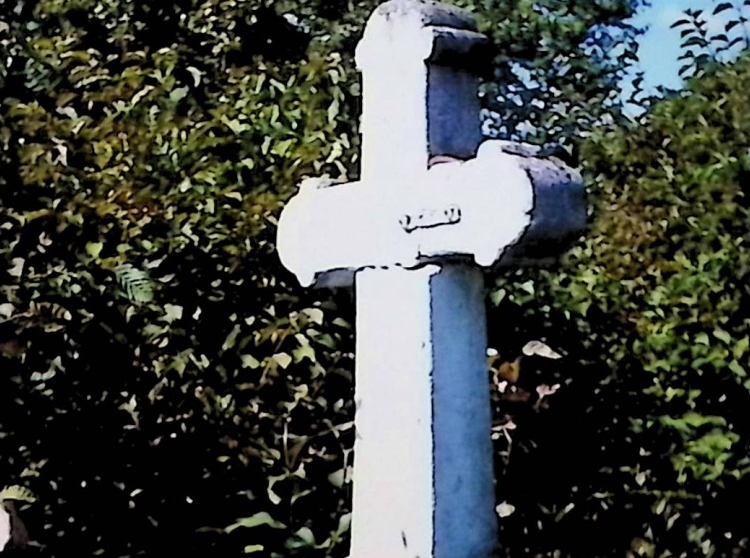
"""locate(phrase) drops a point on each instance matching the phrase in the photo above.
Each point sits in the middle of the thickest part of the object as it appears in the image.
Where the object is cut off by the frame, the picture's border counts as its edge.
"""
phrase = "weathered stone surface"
(503, 207)
(434, 206)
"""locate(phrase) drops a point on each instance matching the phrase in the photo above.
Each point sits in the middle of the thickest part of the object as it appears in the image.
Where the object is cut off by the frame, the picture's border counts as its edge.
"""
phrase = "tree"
(642, 448)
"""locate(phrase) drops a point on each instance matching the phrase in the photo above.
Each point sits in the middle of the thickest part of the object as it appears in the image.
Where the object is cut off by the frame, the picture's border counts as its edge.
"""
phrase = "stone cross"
(433, 207)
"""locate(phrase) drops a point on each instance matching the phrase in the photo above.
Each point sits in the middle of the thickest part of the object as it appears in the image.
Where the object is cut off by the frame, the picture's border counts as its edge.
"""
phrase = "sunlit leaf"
(505, 509)
(257, 520)
(537, 348)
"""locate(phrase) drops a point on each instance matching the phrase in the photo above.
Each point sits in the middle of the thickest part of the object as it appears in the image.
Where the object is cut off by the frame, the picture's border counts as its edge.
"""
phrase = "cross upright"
(434, 206)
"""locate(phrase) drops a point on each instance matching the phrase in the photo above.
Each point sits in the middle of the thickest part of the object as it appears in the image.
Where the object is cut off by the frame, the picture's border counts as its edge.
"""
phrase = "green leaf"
(736, 40)
(341, 323)
(695, 41)
(173, 312)
(231, 338)
(6, 310)
(741, 347)
(257, 520)
(496, 297)
(333, 111)
(679, 23)
(135, 283)
(17, 492)
(249, 361)
(702, 339)
(345, 522)
(737, 369)
(302, 352)
(337, 478)
(93, 249)
(282, 359)
(723, 336)
(178, 94)
(17, 269)
(303, 538)
(722, 7)
(197, 74)
(314, 314)
(731, 25)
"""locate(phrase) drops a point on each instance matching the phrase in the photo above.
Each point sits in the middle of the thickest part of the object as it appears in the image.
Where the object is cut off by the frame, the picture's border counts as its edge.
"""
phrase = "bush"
(643, 450)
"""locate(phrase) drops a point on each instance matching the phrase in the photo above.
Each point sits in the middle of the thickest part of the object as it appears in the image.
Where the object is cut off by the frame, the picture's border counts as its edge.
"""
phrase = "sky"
(660, 46)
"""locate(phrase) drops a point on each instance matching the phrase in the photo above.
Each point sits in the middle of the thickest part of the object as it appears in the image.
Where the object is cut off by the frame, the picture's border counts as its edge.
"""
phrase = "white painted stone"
(411, 236)
(456, 208)
(423, 479)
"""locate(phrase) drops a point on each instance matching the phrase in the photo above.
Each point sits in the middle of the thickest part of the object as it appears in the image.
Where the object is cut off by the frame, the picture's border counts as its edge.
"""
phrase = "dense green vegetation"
(647, 439)
(167, 389)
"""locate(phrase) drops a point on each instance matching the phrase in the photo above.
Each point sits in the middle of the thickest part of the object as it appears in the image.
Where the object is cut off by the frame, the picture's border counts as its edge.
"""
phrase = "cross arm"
(503, 207)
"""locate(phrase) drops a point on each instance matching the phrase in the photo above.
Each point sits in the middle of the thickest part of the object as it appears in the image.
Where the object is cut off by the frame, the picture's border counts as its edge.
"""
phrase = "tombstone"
(434, 206)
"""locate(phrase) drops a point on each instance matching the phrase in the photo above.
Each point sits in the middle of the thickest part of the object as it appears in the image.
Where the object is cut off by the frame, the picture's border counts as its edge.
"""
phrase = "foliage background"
(166, 388)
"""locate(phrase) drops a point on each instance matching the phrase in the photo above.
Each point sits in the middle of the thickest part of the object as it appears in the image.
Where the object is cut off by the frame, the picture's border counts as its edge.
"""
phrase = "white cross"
(412, 236)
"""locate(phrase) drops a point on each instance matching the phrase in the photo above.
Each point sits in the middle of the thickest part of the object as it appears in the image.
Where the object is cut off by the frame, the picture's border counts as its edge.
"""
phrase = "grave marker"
(434, 205)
